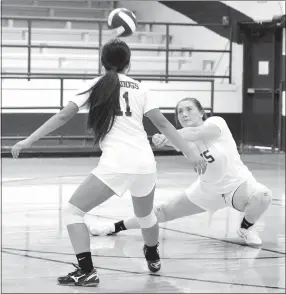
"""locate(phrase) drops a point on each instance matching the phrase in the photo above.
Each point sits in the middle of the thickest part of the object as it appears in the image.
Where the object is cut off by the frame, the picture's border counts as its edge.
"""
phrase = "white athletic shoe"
(102, 231)
(250, 237)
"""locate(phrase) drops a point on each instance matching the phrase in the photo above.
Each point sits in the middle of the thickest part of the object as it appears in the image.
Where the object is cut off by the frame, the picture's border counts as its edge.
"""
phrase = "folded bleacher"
(60, 26)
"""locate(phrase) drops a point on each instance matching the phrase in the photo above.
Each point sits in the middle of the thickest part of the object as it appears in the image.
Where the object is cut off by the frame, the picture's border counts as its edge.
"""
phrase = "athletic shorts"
(139, 185)
(211, 201)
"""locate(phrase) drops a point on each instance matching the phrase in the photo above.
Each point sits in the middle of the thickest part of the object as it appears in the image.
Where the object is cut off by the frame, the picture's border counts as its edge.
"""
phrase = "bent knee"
(251, 193)
(73, 215)
(264, 194)
(147, 221)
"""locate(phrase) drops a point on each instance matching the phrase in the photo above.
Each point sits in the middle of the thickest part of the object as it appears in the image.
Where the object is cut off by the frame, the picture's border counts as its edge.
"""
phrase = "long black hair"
(103, 101)
(198, 105)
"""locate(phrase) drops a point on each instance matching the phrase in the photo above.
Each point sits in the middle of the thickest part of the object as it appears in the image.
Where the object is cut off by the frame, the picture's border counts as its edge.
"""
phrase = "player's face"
(189, 115)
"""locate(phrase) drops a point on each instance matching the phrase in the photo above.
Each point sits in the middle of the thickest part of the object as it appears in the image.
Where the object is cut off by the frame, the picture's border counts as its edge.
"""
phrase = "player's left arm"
(209, 131)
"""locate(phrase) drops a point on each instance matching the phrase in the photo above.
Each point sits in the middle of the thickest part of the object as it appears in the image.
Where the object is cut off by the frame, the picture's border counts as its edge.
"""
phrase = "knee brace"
(266, 196)
(262, 194)
(73, 215)
(147, 221)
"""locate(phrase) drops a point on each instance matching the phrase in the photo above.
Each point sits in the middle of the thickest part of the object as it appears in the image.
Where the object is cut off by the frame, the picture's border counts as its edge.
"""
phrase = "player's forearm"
(170, 132)
(49, 126)
(190, 134)
(168, 143)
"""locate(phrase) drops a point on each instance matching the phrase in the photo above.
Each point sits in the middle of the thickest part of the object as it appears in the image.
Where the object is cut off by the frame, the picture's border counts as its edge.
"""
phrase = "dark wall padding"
(23, 124)
(283, 134)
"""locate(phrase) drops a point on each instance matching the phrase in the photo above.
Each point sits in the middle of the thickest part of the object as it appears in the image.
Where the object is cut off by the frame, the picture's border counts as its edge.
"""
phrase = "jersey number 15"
(119, 112)
(207, 156)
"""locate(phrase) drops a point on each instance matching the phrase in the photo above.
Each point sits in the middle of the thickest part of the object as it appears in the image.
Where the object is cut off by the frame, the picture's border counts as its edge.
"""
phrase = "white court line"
(18, 232)
(12, 180)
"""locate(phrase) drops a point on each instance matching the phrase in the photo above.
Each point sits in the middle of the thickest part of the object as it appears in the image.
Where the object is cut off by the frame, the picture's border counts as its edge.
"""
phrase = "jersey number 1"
(119, 112)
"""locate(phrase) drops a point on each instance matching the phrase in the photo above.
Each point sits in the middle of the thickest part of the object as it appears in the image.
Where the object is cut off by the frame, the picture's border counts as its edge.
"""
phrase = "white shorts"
(210, 201)
(140, 185)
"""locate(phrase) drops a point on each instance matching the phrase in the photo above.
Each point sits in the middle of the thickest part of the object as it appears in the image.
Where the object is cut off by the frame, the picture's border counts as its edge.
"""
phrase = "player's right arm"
(170, 132)
(57, 120)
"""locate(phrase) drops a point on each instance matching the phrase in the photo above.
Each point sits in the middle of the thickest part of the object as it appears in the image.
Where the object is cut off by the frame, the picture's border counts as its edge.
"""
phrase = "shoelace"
(74, 272)
(250, 231)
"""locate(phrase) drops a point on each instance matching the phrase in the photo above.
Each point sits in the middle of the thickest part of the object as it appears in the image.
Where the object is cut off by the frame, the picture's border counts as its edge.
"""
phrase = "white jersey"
(126, 148)
(225, 170)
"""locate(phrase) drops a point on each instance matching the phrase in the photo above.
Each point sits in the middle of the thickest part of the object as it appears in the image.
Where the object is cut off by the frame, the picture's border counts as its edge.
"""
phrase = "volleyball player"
(226, 182)
(116, 105)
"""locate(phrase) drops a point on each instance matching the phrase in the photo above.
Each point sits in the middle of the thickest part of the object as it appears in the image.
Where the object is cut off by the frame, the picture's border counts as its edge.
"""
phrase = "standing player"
(226, 182)
(116, 104)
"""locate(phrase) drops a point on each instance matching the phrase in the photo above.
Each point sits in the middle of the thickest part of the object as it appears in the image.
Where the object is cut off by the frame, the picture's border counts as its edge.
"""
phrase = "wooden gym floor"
(196, 256)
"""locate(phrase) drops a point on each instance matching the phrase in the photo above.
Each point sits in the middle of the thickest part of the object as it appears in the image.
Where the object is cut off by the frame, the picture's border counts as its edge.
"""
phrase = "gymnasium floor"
(196, 256)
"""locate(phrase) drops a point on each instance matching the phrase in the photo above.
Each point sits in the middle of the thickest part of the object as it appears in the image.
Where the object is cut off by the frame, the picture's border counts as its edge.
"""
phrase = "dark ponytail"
(198, 105)
(103, 101)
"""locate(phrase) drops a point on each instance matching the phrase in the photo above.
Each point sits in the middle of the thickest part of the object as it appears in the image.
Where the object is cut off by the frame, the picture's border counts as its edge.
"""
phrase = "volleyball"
(122, 21)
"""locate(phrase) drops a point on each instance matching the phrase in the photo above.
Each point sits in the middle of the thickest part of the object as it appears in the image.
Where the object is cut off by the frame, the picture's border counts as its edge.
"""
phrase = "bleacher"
(60, 8)
(52, 30)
